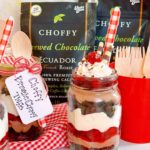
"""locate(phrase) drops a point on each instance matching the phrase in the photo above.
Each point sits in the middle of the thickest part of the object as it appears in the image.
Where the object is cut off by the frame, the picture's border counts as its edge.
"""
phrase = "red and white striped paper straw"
(6, 35)
(111, 32)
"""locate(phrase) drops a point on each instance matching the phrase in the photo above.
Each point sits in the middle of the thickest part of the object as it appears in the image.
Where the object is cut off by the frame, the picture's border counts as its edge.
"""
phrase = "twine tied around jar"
(22, 63)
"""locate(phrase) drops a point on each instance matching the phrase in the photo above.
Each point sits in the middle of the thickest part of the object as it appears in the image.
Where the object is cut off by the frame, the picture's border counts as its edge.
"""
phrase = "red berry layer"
(93, 135)
(92, 83)
(12, 117)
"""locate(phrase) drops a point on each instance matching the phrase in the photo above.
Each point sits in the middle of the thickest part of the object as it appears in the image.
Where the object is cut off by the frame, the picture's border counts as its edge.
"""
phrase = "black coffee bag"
(62, 32)
(134, 26)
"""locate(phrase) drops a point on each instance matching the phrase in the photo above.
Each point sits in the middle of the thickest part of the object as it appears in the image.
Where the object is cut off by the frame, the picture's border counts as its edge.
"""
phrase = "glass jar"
(94, 113)
(17, 130)
(3, 127)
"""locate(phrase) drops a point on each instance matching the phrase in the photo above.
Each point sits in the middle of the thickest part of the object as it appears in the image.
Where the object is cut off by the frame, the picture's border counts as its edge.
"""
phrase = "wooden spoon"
(146, 67)
(2, 26)
(21, 45)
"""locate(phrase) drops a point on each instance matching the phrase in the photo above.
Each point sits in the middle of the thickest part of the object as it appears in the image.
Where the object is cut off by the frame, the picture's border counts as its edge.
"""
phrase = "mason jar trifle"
(17, 130)
(94, 106)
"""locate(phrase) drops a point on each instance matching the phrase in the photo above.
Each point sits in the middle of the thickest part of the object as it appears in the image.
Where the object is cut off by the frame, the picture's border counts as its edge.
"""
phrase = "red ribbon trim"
(22, 63)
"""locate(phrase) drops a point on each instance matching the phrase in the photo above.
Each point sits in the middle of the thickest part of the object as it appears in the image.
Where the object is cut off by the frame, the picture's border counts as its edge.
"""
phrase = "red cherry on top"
(93, 57)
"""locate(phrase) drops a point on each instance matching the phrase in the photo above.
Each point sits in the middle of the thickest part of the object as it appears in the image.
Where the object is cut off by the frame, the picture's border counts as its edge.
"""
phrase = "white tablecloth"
(131, 146)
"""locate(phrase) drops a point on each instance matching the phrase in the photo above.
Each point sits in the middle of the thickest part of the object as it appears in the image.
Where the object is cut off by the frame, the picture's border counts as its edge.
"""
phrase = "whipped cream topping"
(97, 70)
(99, 121)
(4, 125)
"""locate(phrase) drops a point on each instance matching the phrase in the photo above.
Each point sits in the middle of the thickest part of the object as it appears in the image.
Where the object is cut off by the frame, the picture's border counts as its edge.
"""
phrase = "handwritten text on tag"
(29, 96)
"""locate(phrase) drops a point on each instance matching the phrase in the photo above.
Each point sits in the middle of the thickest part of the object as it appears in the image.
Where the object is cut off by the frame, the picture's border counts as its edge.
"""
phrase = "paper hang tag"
(29, 96)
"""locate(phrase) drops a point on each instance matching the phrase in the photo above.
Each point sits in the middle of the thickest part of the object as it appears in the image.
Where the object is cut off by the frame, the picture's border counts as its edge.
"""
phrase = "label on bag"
(29, 96)
(62, 34)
